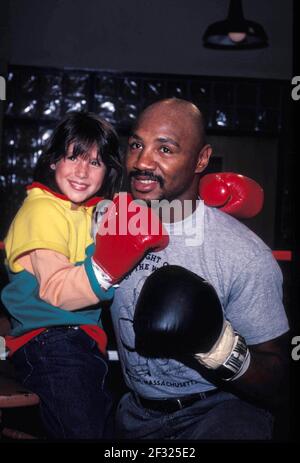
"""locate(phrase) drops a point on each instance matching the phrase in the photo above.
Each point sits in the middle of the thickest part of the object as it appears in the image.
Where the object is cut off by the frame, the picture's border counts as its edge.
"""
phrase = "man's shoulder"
(221, 222)
(229, 233)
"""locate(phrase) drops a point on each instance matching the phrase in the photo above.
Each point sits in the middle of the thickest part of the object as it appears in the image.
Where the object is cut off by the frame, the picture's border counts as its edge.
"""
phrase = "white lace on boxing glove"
(103, 279)
(229, 356)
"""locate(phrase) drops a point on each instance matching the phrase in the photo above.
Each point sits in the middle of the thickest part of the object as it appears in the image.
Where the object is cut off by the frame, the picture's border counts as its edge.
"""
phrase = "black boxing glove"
(179, 313)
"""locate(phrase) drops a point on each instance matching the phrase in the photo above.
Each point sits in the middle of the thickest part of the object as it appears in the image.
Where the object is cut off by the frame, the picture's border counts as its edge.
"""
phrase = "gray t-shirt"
(242, 270)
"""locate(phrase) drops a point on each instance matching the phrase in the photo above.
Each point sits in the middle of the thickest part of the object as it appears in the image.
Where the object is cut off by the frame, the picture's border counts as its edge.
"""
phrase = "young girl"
(54, 300)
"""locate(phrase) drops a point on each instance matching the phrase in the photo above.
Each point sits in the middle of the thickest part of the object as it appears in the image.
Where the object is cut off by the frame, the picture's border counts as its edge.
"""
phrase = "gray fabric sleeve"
(255, 307)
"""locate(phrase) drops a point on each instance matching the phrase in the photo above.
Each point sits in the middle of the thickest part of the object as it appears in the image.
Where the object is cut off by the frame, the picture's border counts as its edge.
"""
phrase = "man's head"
(167, 151)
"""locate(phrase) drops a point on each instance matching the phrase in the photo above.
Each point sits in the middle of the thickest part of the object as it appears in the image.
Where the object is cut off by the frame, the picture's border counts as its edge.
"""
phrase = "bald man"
(166, 154)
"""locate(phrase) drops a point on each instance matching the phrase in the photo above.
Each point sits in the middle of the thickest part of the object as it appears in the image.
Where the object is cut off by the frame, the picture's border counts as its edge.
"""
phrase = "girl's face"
(79, 178)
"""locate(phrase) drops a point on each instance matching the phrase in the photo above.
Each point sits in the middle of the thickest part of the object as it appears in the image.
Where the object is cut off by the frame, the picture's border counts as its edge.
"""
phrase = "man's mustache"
(146, 173)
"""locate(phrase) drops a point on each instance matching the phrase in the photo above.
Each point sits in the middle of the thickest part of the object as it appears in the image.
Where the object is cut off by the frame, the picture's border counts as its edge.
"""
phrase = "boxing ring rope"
(283, 255)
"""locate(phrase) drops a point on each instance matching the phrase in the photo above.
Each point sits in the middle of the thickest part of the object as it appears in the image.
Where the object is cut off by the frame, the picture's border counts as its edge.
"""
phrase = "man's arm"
(178, 315)
(267, 377)
(266, 381)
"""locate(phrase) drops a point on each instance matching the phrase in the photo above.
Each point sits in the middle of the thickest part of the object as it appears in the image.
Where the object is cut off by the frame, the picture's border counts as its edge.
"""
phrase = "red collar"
(90, 202)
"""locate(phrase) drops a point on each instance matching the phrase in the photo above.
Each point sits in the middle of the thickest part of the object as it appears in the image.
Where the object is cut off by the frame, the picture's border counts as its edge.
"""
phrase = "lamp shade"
(235, 32)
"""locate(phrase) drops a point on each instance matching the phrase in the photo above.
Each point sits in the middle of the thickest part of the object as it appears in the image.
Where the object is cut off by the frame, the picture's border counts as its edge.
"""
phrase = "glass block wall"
(38, 97)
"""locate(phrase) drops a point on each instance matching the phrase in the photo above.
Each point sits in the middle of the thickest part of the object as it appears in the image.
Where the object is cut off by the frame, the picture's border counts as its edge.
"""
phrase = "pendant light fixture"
(235, 32)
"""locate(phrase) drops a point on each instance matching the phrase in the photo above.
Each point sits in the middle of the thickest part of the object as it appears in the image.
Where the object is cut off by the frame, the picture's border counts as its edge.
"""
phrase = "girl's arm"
(61, 283)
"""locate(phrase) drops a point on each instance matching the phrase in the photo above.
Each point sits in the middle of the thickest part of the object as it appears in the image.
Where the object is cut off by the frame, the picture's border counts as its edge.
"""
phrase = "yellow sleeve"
(39, 224)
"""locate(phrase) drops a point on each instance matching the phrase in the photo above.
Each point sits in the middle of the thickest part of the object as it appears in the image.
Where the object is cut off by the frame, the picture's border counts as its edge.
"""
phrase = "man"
(166, 154)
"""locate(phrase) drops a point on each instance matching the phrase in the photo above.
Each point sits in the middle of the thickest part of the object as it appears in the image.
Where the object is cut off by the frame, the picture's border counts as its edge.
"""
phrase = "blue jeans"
(222, 416)
(64, 366)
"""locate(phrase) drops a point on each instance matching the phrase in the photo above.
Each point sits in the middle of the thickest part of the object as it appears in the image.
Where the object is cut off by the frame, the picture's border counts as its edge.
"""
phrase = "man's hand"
(178, 314)
(232, 193)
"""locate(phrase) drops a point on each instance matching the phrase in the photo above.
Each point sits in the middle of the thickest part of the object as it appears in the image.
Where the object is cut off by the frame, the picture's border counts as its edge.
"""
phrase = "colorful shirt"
(62, 290)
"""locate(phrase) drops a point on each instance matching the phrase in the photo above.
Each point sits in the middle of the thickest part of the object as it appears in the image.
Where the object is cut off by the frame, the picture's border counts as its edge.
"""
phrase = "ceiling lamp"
(235, 32)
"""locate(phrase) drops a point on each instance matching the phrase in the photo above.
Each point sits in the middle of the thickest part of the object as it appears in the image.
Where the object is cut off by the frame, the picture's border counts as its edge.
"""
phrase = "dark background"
(142, 36)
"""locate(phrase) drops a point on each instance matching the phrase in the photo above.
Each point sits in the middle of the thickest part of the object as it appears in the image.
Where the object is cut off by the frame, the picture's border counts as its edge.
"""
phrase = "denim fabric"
(222, 416)
(66, 369)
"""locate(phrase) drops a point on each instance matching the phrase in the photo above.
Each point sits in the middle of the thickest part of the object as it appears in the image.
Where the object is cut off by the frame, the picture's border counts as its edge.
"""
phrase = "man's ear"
(203, 158)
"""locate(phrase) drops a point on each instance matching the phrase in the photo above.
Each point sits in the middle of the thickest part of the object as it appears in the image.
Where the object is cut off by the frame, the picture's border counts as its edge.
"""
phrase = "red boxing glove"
(128, 229)
(232, 193)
